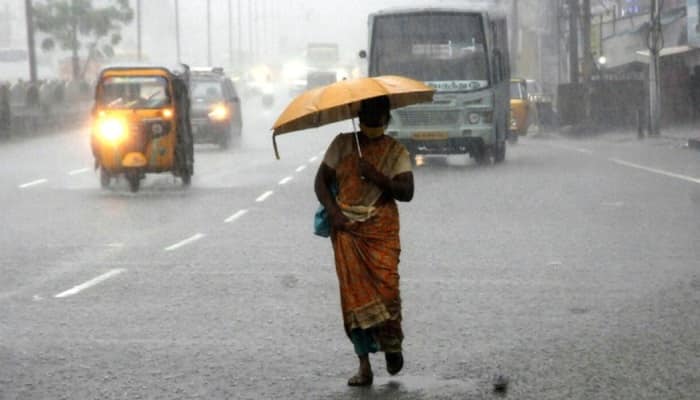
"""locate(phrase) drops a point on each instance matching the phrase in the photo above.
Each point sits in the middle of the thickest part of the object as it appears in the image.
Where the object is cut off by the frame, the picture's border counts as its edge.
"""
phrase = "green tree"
(78, 25)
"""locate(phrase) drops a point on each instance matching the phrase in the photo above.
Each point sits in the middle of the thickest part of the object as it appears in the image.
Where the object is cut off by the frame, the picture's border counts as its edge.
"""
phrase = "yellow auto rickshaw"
(141, 124)
(519, 109)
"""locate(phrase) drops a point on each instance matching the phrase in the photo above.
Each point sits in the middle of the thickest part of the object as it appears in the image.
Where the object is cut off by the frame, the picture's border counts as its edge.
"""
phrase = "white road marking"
(301, 168)
(79, 171)
(286, 180)
(116, 245)
(565, 147)
(185, 242)
(235, 216)
(656, 171)
(264, 196)
(90, 283)
(32, 183)
(313, 159)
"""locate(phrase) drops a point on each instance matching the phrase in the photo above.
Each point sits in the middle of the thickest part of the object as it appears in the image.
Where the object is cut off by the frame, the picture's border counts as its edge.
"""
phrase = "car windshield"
(208, 90)
(134, 92)
(430, 47)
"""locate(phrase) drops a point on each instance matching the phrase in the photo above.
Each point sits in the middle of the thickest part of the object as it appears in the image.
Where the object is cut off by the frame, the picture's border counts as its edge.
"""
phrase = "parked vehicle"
(463, 54)
(216, 108)
(141, 124)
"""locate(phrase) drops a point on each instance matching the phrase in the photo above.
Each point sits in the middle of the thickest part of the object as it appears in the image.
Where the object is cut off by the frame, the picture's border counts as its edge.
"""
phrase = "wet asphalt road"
(572, 268)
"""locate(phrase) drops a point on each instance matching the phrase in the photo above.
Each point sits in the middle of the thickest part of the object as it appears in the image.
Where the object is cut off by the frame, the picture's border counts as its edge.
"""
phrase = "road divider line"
(286, 180)
(78, 171)
(185, 242)
(235, 216)
(301, 168)
(313, 159)
(264, 196)
(570, 148)
(32, 183)
(656, 171)
(90, 283)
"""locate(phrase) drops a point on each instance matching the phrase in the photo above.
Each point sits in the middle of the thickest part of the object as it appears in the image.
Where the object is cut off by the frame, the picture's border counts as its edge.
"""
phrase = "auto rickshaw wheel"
(105, 178)
(134, 181)
(186, 178)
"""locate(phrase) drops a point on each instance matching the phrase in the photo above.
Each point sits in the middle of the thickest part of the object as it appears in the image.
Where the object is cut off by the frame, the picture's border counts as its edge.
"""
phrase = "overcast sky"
(280, 28)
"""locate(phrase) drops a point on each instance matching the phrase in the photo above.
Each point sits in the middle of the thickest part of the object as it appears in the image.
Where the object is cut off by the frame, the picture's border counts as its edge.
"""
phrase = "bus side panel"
(502, 88)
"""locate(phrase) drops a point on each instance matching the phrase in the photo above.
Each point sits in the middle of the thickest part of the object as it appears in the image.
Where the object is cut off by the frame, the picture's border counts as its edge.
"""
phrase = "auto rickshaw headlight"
(112, 130)
(167, 113)
(219, 112)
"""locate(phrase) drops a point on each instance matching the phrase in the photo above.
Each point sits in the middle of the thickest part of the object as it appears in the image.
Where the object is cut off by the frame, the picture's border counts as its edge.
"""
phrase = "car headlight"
(112, 130)
(219, 112)
(474, 118)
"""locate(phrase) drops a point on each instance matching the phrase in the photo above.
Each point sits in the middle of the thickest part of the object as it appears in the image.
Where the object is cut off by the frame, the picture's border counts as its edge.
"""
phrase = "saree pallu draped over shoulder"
(367, 254)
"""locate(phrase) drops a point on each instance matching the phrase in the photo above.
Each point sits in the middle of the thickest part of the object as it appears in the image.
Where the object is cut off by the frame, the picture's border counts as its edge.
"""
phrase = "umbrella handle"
(357, 139)
(274, 144)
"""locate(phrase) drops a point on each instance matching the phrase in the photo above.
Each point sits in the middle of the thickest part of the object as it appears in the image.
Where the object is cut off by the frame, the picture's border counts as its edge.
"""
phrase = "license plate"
(430, 135)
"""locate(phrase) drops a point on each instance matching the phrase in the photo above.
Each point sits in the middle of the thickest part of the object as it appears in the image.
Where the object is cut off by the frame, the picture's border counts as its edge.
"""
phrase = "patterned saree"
(367, 255)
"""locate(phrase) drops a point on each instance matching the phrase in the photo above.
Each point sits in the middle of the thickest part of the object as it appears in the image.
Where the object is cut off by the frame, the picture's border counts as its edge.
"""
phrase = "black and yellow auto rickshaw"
(519, 109)
(141, 124)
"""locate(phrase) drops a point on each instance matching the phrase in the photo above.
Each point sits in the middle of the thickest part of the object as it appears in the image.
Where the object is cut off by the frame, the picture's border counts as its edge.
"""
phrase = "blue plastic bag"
(322, 224)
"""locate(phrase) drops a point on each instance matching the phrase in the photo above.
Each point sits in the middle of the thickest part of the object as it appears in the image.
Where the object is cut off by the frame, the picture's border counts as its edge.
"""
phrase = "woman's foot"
(364, 376)
(361, 380)
(394, 362)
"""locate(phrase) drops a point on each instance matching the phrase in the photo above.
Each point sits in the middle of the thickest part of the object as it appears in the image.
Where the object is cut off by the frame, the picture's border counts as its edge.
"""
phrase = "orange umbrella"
(341, 100)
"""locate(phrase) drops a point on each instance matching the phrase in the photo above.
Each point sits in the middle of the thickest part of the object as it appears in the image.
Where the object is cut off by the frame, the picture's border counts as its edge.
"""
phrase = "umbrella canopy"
(341, 100)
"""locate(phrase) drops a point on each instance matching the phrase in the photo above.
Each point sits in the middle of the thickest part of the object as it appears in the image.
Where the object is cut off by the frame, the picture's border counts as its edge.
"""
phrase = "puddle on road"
(410, 387)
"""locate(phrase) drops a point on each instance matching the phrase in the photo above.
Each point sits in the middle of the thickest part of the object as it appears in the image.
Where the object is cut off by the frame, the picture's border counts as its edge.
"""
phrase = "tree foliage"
(79, 25)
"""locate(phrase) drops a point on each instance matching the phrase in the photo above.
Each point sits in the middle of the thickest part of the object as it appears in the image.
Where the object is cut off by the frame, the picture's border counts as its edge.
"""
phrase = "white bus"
(463, 54)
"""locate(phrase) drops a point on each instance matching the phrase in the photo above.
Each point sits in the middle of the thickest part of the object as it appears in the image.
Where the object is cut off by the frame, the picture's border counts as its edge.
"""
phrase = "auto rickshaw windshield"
(127, 92)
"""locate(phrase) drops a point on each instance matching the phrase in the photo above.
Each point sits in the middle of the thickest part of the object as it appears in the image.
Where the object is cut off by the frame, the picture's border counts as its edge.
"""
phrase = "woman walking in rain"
(364, 223)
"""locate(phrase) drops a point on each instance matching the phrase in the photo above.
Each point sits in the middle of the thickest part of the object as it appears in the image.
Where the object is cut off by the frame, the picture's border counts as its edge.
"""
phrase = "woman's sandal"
(394, 362)
(361, 380)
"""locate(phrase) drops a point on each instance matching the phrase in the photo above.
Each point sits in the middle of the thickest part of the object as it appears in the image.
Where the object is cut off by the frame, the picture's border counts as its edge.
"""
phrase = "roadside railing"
(48, 107)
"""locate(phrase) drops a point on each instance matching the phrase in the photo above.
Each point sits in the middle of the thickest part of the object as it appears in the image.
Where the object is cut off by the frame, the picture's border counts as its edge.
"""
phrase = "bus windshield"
(447, 49)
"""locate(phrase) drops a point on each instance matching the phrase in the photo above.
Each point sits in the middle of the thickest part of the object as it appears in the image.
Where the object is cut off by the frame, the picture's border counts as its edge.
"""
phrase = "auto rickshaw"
(141, 124)
(519, 109)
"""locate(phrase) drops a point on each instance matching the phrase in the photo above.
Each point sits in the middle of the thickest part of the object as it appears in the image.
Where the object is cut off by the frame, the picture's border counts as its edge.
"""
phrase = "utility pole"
(239, 27)
(250, 32)
(209, 61)
(29, 9)
(230, 36)
(515, 40)
(573, 41)
(655, 44)
(138, 30)
(587, 58)
(177, 30)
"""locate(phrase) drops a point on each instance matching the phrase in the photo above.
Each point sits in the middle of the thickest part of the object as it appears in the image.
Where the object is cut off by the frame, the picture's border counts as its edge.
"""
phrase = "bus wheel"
(499, 155)
(483, 155)
(105, 178)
